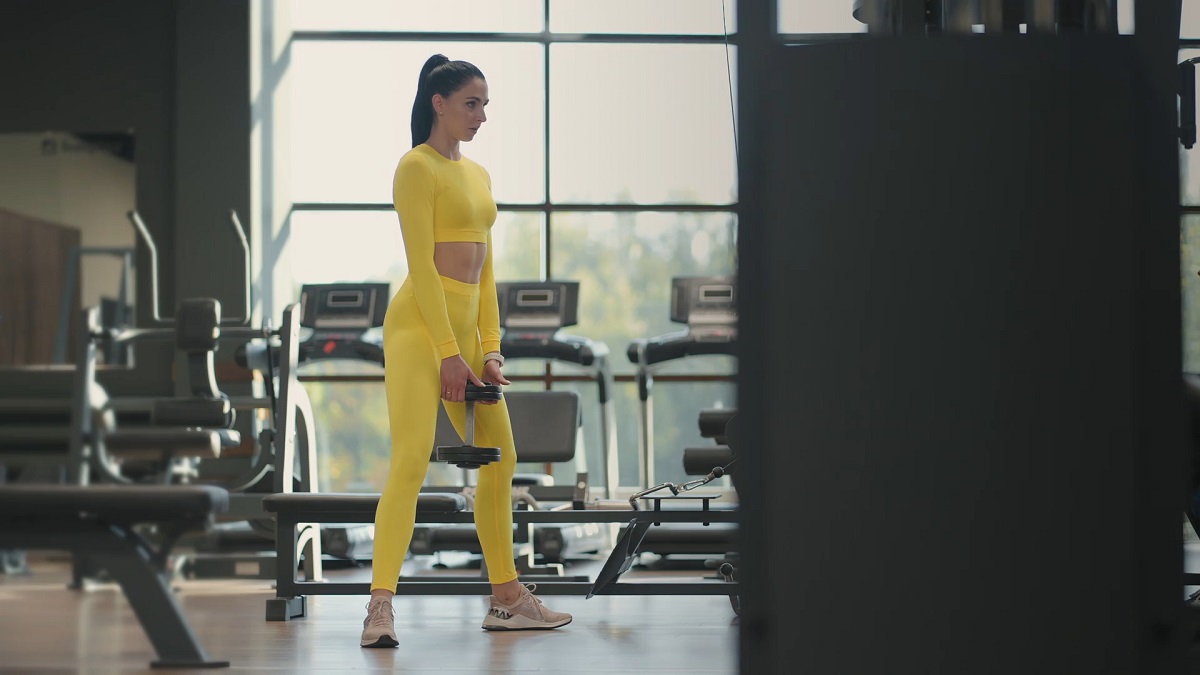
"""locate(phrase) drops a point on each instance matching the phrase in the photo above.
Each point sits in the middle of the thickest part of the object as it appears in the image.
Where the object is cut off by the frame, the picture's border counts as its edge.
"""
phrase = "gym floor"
(47, 628)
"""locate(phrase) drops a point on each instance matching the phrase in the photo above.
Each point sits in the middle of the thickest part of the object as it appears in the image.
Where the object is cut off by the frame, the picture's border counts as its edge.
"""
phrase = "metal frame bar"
(423, 587)
(535, 207)
(544, 37)
(71, 284)
(289, 601)
(628, 378)
(293, 420)
(289, 518)
(545, 264)
(797, 39)
(83, 438)
(547, 37)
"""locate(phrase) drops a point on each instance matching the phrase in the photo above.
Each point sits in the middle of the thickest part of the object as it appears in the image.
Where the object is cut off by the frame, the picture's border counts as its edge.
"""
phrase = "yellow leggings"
(412, 377)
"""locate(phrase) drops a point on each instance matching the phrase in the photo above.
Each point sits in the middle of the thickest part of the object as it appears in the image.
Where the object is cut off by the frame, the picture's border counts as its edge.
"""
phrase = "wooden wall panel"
(33, 265)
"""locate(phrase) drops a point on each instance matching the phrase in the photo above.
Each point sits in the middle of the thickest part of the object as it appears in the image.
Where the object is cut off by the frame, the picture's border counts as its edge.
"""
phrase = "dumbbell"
(468, 456)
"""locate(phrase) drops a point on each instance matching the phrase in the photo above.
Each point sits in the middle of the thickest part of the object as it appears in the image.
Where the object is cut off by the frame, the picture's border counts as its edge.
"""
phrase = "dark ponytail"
(442, 76)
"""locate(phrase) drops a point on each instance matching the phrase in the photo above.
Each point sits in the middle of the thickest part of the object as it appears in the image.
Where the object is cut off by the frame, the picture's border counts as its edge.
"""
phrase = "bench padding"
(152, 442)
(111, 503)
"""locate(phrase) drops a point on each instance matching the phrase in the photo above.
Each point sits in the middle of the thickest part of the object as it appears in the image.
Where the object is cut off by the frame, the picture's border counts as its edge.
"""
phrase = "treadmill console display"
(535, 308)
(359, 306)
(339, 315)
(708, 305)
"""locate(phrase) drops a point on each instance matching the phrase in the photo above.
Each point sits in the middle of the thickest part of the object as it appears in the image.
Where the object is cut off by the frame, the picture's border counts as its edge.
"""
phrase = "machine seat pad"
(125, 504)
(700, 460)
(334, 502)
(150, 442)
(191, 412)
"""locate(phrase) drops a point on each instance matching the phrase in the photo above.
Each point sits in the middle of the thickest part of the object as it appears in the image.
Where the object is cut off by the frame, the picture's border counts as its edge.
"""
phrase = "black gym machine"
(204, 421)
(293, 512)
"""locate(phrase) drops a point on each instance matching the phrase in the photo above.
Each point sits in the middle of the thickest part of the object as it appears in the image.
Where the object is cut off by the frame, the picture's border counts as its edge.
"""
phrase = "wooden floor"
(46, 628)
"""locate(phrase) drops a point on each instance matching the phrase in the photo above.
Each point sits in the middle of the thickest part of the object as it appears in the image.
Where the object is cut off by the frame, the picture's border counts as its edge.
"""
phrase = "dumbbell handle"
(469, 429)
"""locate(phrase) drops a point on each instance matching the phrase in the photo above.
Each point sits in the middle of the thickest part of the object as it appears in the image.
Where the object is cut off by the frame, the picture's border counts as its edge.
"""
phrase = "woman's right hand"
(455, 373)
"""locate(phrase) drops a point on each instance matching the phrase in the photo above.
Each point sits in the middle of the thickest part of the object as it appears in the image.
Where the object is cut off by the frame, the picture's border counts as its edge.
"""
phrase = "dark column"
(960, 319)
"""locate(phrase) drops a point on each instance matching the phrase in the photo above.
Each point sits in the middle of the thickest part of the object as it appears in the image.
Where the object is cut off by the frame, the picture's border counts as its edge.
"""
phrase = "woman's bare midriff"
(460, 260)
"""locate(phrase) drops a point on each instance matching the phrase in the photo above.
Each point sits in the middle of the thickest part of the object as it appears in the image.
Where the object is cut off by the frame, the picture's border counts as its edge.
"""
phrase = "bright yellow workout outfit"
(431, 318)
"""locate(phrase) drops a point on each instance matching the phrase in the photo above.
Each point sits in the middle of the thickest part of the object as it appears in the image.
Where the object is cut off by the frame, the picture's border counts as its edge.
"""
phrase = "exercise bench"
(97, 523)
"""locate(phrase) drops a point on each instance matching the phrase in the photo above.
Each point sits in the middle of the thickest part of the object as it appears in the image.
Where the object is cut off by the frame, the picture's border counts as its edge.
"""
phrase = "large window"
(611, 146)
(351, 105)
(817, 16)
(610, 142)
(641, 124)
(1189, 24)
(679, 17)
(1190, 268)
(625, 261)
(332, 246)
(378, 16)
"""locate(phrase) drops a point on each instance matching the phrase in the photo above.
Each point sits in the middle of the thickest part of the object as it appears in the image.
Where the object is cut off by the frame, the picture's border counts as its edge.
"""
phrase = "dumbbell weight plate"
(467, 456)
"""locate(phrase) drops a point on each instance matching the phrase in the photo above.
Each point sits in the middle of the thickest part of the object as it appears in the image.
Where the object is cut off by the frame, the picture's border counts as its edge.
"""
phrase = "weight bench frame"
(297, 510)
(137, 566)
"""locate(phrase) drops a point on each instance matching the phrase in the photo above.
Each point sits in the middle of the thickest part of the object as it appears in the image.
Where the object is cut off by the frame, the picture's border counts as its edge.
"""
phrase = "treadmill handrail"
(673, 346)
(144, 235)
(559, 347)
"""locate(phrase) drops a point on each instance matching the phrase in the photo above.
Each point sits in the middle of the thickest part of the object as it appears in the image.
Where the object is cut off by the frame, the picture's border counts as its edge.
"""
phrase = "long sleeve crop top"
(443, 200)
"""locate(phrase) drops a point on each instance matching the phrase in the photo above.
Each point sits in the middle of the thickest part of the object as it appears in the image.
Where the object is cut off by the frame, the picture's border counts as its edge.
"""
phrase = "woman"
(441, 330)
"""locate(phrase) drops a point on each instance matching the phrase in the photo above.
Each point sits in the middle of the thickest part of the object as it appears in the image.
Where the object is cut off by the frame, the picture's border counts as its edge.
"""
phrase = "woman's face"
(461, 114)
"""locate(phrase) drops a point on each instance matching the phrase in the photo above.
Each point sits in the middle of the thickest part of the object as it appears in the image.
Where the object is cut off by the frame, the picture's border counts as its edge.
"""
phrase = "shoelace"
(524, 597)
(379, 613)
(537, 602)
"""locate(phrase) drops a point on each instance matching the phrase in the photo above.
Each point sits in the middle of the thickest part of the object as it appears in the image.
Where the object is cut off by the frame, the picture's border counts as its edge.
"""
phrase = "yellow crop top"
(443, 200)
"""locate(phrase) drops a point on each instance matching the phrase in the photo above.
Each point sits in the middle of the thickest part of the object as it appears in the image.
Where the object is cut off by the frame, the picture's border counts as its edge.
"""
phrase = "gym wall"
(177, 74)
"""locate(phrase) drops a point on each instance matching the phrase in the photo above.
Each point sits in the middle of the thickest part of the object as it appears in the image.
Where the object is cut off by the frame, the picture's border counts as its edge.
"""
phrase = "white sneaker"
(527, 613)
(379, 628)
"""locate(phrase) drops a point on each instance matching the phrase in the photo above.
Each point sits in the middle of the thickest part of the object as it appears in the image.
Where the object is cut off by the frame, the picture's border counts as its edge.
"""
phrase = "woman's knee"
(405, 478)
(503, 470)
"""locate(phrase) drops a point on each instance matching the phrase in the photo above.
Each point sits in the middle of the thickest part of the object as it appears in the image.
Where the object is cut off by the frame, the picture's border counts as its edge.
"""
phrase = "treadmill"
(533, 314)
(707, 305)
(339, 316)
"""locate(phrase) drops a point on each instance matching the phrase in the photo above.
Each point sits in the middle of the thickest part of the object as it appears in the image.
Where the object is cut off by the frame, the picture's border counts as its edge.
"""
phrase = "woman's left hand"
(491, 373)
